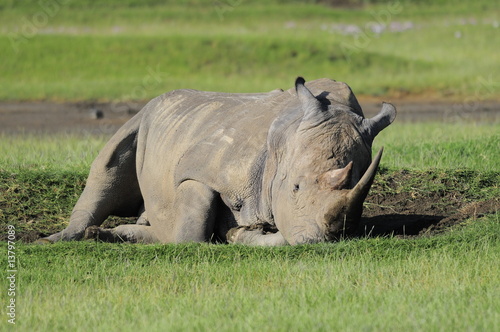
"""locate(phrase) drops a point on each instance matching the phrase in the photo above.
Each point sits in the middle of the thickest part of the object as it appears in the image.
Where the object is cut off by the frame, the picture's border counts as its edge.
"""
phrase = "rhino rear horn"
(371, 127)
(313, 110)
(337, 179)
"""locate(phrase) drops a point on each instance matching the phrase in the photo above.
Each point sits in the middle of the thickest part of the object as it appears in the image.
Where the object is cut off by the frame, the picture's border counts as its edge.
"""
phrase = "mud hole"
(403, 215)
(387, 211)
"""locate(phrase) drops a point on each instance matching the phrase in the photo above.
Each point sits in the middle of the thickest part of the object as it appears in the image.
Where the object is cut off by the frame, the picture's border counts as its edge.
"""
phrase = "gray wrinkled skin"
(284, 167)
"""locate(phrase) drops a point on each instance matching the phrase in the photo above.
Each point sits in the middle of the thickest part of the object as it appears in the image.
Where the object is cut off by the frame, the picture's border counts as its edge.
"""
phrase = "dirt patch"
(19, 118)
(390, 218)
(388, 211)
(405, 216)
(423, 203)
(82, 118)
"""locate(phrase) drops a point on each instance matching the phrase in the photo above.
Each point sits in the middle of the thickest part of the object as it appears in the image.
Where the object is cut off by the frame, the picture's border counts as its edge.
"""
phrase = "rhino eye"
(296, 187)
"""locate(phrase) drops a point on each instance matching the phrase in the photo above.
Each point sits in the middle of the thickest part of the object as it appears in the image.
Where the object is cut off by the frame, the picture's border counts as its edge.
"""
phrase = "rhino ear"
(313, 110)
(371, 127)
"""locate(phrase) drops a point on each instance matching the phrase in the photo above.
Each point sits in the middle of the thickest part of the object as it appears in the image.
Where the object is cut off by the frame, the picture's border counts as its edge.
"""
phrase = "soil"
(402, 214)
(405, 215)
(80, 117)
(19, 118)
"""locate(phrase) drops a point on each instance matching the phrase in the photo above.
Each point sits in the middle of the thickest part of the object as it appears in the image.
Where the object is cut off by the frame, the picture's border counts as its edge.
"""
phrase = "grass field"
(438, 284)
(134, 50)
(128, 51)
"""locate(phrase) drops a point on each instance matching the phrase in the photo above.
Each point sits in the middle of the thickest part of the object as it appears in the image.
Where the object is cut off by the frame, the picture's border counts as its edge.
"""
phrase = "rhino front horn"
(358, 194)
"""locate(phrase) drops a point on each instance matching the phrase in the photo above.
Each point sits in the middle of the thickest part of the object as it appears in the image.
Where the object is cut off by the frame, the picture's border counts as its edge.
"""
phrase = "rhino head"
(322, 167)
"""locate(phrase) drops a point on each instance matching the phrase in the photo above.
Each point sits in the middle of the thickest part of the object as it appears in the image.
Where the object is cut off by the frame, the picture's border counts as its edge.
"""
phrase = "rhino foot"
(257, 234)
(123, 233)
(233, 233)
(98, 233)
(43, 241)
(50, 239)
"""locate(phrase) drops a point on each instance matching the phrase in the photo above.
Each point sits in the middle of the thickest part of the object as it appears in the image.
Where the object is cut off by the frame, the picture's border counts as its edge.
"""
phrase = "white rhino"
(284, 167)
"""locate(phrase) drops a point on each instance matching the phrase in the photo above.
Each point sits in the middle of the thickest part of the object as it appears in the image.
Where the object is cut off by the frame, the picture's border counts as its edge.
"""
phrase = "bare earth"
(76, 118)
(385, 213)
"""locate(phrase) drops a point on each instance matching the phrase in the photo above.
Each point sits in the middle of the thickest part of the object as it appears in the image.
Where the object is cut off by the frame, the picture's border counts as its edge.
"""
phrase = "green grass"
(407, 145)
(129, 51)
(440, 145)
(446, 283)
(58, 153)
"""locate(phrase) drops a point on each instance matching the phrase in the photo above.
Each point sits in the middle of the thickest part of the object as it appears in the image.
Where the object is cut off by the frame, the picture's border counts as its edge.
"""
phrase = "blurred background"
(435, 58)
(81, 49)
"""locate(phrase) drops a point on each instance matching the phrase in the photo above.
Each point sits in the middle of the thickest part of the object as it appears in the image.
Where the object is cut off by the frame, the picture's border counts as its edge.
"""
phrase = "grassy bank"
(131, 51)
(43, 176)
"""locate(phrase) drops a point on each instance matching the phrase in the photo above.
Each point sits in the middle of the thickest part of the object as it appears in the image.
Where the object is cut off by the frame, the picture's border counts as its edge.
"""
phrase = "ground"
(77, 117)
(388, 210)
(416, 213)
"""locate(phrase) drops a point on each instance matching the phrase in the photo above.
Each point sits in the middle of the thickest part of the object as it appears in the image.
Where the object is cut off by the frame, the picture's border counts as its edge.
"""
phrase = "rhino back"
(213, 138)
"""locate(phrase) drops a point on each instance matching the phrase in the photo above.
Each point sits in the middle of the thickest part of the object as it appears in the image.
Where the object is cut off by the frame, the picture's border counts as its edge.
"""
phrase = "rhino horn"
(371, 127)
(346, 214)
(358, 194)
(313, 110)
(337, 179)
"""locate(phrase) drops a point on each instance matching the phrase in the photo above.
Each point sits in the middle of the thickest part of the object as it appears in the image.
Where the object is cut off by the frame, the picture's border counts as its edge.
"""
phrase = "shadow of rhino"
(396, 224)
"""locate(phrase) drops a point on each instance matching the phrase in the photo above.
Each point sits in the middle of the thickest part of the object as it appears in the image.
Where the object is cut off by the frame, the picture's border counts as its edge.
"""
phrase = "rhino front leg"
(143, 218)
(196, 206)
(255, 236)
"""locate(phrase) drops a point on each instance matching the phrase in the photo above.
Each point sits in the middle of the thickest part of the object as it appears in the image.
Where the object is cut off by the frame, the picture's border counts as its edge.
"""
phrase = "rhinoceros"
(283, 167)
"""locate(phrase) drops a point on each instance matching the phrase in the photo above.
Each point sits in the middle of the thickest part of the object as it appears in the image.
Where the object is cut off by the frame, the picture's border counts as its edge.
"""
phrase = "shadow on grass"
(397, 224)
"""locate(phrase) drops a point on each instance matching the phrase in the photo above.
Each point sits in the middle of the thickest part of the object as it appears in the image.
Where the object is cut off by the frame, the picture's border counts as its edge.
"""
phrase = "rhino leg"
(196, 206)
(112, 187)
(143, 218)
(122, 233)
(255, 236)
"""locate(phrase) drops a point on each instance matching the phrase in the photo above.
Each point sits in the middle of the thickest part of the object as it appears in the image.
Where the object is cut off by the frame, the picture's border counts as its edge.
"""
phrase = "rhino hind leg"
(112, 186)
(122, 233)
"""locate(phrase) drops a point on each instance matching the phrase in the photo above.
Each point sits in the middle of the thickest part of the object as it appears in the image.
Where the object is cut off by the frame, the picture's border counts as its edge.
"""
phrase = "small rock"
(96, 114)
